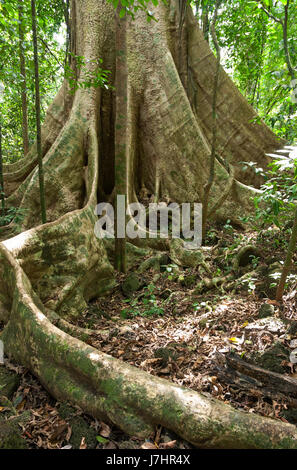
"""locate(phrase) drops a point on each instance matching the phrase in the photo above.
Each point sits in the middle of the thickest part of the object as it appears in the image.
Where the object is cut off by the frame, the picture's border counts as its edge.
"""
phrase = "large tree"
(49, 272)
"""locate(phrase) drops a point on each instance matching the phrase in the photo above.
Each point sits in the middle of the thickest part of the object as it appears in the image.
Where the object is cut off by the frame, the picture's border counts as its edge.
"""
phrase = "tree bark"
(288, 262)
(2, 195)
(24, 80)
(38, 118)
(53, 270)
(214, 122)
(121, 127)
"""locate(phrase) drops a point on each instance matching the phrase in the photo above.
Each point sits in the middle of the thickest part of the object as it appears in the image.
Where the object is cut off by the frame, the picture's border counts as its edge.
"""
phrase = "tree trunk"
(24, 80)
(121, 132)
(288, 261)
(51, 271)
(38, 118)
(214, 122)
(2, 194)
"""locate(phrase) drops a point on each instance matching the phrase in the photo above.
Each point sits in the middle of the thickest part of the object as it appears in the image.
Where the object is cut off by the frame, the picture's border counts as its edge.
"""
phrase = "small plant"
(250, 283)
(228, 227)
(276, 203)
(201, 306)
(171, 270)
(254, 261)
(255, 168)
(12, 214)
(146, 306)
(90, 79)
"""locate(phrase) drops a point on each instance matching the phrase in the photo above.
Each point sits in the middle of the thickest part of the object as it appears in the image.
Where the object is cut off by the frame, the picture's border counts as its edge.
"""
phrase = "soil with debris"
(158, 322)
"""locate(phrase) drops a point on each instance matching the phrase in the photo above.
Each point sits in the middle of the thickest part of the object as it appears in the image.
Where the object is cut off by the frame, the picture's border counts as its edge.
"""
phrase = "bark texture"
(51, 271)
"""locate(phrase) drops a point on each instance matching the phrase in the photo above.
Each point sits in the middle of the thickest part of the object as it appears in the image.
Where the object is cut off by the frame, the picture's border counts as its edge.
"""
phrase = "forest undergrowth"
(171, 322)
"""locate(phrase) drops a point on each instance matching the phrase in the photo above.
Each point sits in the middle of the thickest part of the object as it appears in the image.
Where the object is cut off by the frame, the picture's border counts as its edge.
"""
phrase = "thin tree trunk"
(284, 24)
(38, 118)
(121, 86)
(1, 177)
(214, 125)
(288, 262)
(292, 243)
(285, 34)
(24, 80)
(205, 20)
(68, 35)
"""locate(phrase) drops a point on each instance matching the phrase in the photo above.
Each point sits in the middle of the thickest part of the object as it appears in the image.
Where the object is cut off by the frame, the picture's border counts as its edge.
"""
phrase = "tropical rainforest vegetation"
(144, 343)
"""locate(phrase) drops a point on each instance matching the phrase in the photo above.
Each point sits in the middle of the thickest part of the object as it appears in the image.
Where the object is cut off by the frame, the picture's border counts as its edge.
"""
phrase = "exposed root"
(60, 266)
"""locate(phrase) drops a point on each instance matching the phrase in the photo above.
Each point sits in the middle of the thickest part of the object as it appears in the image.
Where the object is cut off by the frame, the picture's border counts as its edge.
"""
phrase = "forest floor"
(157, 321)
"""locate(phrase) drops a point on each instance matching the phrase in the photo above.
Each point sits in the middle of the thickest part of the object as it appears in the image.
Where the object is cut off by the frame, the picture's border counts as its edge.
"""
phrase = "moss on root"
(11, 433)
(79, 428)
(9, 382)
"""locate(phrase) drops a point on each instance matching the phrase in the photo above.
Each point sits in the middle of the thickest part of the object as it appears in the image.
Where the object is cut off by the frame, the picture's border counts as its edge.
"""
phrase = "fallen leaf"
(105, 430)
(58, 431)
(83, 444)
(69, 433)
(167, 445)
(110, 445)
(148, 445)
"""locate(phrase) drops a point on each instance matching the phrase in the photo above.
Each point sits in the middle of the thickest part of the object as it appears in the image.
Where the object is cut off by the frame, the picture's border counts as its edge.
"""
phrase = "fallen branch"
(260, 382)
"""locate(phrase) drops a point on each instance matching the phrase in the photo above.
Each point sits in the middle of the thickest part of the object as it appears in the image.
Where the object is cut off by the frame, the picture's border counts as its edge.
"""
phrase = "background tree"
(121, 129)
(49, 272)
(38, 115)
(24, 80)
(51, 56)
(214, 122)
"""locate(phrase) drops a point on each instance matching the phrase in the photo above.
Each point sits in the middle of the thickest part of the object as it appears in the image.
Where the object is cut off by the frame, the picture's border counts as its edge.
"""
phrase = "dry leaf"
(83, 444)
(148, 445)
(105, 430)
(58, 431)
(110, 445)
(167, 445)
(69, 433)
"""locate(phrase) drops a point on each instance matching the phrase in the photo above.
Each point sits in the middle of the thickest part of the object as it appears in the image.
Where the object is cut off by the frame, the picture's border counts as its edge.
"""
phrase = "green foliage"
(12, 214)
(145, 306)
(51, 31)
(130, 7)
(277, 201)
(252, 52)
(254, 56)
(87, 78)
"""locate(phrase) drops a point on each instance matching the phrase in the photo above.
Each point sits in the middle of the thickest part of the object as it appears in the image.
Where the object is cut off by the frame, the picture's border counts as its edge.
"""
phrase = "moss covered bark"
(59, 266)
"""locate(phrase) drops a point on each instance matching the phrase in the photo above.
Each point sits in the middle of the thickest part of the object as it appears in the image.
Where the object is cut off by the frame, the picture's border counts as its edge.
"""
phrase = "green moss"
(81, 429)
(9, 382)
(10, 437)
(166, 354)
(79, 426)
(66, 411)
(290, 415)
(131, 284)
(11, 432)
(189, 281)
(273, 358)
